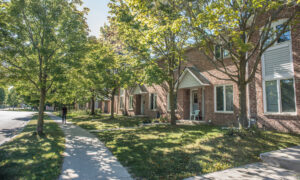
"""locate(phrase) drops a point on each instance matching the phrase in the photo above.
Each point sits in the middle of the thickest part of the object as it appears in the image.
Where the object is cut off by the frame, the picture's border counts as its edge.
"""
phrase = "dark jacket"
(64, 110)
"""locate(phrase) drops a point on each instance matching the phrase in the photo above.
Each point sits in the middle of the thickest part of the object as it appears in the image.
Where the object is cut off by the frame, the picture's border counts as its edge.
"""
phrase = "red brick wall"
(195, 58)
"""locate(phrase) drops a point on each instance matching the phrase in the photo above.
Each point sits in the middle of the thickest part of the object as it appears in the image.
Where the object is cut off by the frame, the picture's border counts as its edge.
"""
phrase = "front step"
(286, 158)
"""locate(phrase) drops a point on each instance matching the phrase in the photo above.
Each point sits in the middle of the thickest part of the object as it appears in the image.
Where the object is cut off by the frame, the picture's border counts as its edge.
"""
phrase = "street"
(11, 122)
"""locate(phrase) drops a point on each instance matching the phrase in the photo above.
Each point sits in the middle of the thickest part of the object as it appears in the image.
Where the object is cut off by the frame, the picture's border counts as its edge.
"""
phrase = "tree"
(44, 39)
(240, 28)
(92, 78)
(13, 98)
(2, 96)
(70, 91)
(106, 69)
(154, 32)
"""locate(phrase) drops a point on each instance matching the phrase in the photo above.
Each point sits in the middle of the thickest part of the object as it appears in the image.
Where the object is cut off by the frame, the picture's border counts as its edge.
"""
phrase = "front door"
(105, 107)
(142, 104)
(194, 101)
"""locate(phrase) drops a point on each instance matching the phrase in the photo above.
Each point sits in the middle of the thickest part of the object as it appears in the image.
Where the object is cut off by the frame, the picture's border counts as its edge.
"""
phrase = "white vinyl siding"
(188, 81)
(278, 63)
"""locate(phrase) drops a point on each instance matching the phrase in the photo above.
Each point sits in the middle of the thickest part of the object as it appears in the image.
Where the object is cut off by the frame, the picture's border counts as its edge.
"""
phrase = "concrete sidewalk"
(255, 171)
(86, 157)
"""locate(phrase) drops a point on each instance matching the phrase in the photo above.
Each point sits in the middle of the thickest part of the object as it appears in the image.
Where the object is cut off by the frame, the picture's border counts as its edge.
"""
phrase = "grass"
(177, 152)
(29, 156)
(103, 121)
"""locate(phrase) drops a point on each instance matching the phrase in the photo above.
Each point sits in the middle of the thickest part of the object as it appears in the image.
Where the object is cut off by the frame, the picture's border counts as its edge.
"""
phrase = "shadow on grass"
(176, 152)
(29, 156)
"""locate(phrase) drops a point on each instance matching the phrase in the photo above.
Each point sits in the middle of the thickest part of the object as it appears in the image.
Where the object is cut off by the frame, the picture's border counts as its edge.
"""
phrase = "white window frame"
(224, 98)
(155, 97)
(130, 102)
(264, 79)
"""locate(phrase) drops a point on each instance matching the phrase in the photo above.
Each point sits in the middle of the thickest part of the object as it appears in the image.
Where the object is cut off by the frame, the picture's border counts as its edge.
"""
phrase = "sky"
(97, 15)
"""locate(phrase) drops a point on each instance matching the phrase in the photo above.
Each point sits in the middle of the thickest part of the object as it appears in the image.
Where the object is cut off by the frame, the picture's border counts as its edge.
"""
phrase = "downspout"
(248, 93)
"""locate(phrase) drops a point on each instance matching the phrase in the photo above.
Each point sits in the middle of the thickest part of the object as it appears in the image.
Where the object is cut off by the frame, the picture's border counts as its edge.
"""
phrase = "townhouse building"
(273, 97)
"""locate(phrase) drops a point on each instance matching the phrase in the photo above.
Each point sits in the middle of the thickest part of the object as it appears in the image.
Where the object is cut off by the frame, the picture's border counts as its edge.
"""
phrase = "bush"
(163, 119)
(147, 121)
(253, 131)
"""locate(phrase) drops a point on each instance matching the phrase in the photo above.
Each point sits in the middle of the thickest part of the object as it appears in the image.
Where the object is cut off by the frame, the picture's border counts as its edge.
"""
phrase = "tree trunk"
(93, 104)
(172, 104)
(112, 105)
(41, 112)
(76, 105)
(243, 120)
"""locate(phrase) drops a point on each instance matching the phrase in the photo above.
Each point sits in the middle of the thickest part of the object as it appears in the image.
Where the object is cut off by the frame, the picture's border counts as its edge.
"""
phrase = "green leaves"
(159, 33)
(45, 39)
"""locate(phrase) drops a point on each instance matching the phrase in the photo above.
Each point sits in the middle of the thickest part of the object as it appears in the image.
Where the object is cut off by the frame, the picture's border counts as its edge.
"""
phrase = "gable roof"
(192, 77)
(139, 89)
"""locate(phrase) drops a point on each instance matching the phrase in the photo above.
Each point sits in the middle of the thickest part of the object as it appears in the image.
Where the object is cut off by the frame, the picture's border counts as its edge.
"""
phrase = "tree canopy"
(155, 33)
(43, 40)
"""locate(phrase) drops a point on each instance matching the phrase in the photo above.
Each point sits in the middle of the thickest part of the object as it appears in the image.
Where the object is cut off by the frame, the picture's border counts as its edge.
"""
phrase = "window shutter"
(278, 63)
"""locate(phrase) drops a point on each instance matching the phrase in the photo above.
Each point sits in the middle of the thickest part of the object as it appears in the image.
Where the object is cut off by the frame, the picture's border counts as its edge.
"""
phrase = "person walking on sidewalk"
(64, 114)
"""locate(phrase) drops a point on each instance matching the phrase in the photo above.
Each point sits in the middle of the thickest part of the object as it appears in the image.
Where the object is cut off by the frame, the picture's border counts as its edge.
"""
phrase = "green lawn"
(176, 152)
(29, 156)
(103, 121)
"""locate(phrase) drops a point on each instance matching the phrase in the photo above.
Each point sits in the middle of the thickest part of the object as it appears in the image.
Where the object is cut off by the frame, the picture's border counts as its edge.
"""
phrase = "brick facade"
(194, 58)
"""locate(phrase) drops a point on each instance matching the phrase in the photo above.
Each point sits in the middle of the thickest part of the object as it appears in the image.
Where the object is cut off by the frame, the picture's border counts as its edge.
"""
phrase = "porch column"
(200, 99)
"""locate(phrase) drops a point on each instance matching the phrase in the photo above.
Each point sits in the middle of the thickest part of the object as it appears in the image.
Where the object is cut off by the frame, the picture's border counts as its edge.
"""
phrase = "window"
(121, 102)
(286, 36)
(220, 52)
(229, 98)
(269, 40)
(225, 53)
(168, 102)
(280, 96)
(272, 96)
(195, 98)
(121, 92)
(220, 98)
(224, 98)
(130, 102)
(153, 101)
(278, 27)
(287, 95)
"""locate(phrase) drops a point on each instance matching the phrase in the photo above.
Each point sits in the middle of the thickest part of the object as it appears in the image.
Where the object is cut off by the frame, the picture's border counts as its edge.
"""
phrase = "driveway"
(11, 122)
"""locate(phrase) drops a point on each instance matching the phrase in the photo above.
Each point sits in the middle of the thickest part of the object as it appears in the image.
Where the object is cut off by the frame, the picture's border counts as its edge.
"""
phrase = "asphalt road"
(11, 123)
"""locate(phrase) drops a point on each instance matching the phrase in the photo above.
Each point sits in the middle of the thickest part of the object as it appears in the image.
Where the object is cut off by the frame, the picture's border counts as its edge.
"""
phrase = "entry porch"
(191, 94)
